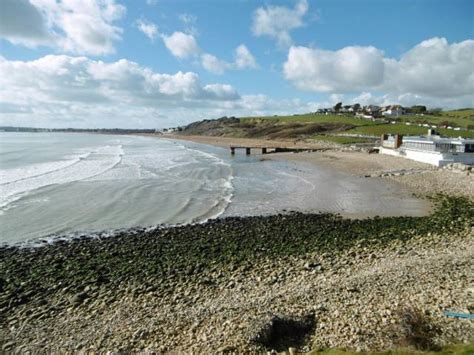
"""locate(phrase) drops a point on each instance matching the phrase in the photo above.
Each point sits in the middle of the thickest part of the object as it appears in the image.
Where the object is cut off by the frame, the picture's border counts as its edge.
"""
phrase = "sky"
(165, 63)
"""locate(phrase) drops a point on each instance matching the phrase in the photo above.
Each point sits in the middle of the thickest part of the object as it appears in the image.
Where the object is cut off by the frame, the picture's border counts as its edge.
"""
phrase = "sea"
(60, 185)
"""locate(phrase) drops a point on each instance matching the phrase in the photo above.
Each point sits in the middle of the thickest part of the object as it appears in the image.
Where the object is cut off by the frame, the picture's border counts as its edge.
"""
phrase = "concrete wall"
(388, 151)
(465, 158)
(432, 158)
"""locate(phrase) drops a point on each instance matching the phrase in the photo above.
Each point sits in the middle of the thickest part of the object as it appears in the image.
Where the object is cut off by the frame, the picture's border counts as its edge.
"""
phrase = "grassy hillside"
(328, 127)
(403, 129)
(310, 118)
(264, 128)
(463, 119)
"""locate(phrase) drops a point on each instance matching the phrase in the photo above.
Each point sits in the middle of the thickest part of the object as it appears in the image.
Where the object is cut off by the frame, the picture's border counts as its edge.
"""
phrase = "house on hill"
(371, 110)
(393, 111)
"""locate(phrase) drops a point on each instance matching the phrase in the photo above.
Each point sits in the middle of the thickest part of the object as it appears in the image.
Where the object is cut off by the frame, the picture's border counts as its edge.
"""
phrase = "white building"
(431, 149)
(393, 111)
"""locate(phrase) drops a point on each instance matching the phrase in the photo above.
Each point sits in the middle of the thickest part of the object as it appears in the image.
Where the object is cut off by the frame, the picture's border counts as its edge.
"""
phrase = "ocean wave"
(34, 170)
(194, 186)
(88, 165)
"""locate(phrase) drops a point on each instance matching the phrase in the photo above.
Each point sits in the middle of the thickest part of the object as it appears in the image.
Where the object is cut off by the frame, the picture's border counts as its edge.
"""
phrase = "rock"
(313, 266)
(8, 345)
(226, 349)
(78, 298)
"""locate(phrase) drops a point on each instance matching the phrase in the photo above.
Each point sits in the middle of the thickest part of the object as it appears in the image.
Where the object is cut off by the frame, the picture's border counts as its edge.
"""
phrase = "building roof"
(437, 139)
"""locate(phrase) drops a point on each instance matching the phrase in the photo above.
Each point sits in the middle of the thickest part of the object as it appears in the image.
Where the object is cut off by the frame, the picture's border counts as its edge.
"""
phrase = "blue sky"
(146, 63)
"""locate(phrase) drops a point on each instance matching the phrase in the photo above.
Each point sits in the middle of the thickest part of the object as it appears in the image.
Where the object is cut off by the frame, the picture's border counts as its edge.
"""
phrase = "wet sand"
(336, 179)
(413, 177)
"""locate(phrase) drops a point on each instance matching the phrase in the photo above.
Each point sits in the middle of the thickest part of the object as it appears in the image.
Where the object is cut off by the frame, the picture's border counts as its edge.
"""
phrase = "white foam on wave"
(87, 165)
(33, 170)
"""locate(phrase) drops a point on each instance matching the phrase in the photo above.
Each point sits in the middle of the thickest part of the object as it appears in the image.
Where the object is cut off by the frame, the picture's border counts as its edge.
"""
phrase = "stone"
(8, 345)
(78, 298)
(313, 266)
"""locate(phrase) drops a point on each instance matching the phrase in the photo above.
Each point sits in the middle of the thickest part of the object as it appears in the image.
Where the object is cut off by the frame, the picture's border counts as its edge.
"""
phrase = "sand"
(416, 177)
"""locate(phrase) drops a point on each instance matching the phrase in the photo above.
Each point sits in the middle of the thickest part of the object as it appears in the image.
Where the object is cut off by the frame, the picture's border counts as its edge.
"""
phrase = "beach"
(233, 284)
(416, 177)
(217, 286)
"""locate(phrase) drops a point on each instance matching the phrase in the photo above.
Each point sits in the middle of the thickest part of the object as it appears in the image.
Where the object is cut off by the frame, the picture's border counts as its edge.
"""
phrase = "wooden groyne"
(270, 149)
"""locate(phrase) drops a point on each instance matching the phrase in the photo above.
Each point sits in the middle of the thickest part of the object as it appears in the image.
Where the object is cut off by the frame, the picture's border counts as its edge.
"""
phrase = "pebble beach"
(288, 282)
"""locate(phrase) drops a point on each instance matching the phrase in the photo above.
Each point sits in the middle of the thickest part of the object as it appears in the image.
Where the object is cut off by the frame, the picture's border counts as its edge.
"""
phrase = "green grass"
(403, 129)
(463, 119)
(341, 139)
(310, 118)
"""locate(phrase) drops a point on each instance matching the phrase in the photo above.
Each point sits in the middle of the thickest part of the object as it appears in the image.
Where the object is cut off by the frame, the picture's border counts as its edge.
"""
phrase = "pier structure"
(268, 149)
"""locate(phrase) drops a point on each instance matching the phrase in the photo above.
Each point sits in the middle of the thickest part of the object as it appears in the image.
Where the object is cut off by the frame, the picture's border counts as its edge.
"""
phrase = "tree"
(356, 107)
(417, 109)
(337, 107)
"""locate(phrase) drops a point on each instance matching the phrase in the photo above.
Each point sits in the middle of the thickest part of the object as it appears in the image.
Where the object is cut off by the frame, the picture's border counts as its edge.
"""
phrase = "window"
(469, 148)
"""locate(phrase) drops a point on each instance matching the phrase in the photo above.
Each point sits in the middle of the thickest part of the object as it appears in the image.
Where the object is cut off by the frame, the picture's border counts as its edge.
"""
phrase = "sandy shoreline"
(418, 178)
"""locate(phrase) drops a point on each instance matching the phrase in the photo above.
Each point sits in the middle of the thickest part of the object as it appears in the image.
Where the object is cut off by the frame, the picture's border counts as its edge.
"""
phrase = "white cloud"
(75, 26)
(187, 19)
(151, 2)
(64, 85)
(221, 92)
(181, 45)
(278, 21)
(335, 98)
(23, 23)
(214, 64)
(184, 46)
(351, 68)
(189, 22)
(148, 28)
(243, 58)
(66, 91)
(432, 69)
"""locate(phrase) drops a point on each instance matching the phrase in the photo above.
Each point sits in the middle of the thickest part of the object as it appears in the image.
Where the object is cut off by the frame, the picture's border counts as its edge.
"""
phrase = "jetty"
(270, 149)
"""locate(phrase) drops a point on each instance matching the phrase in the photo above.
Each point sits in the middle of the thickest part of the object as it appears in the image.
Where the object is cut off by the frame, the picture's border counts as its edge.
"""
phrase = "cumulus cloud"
(184, 46)
(243, 58)
(75, 26)
(351, 68)
(148, 28)
(221, 92)
(213, 64)
(23, 23)
(60, 81)
(66, 91)
(432, 69)
(181, 45)
(277, 21)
